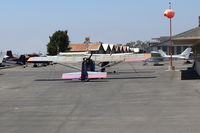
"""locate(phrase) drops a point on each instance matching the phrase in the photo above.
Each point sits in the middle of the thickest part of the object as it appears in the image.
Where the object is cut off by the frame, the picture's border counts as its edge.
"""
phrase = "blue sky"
(25, 25)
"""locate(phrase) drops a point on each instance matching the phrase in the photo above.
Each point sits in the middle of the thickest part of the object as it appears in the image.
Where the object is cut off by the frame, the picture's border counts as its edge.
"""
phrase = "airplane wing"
(77, 75)
(124, 57)
(95, 57)
(127, 60)
(137, 59)
(39, 60)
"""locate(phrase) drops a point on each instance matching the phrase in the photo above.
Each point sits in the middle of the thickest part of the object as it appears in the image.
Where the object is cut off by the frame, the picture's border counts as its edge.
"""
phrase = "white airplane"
(184, 55)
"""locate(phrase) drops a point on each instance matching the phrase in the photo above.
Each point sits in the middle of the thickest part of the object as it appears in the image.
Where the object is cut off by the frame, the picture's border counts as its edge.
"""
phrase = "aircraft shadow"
(49, 80)
(96, 80)
(130, 72)
(71, 81)
(142, 77)
(158, 64)
(111, 78)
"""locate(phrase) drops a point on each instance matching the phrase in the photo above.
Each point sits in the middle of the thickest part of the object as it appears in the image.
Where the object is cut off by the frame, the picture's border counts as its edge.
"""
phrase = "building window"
(164, 49)
(178, 50)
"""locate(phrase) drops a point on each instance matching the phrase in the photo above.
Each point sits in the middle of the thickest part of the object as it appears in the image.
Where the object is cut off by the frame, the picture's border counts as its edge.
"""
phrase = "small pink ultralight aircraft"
(87, 70)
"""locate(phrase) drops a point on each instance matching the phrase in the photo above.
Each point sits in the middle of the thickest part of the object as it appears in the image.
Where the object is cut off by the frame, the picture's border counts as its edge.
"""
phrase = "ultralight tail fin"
(186, 53)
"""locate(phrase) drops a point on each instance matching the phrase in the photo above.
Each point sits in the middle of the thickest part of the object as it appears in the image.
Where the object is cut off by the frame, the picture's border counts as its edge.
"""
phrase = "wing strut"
(69, 66)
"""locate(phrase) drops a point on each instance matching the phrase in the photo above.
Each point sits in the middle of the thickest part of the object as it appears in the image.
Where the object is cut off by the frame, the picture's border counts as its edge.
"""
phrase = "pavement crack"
(68, 115)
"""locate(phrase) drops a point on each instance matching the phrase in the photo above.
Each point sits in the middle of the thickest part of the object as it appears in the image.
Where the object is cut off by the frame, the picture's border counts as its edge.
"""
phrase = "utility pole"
(169, 13)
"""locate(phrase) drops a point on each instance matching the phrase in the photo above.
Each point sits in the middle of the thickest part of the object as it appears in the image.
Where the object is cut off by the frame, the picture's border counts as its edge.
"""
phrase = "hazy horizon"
(26, 25)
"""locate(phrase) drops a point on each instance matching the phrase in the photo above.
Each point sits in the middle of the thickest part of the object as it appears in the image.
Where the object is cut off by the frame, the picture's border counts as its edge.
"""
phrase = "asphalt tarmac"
(135, 99)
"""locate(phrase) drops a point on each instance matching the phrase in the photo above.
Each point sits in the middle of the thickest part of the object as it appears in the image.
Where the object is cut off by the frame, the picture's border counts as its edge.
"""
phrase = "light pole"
(87, 41)
(169, 13)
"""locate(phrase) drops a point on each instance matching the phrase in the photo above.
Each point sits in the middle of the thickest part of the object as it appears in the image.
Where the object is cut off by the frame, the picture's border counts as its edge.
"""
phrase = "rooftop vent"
(87, 40)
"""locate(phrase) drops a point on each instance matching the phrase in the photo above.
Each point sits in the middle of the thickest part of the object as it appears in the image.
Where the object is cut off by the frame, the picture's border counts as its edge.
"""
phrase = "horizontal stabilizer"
(91, 75)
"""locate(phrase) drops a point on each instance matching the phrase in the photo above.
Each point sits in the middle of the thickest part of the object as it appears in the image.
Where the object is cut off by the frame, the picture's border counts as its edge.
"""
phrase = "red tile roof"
(84, 47)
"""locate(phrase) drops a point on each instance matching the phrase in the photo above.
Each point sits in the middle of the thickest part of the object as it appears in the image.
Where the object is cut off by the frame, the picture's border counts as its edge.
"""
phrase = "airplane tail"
(9, 54)
(22, 60)
(163, 54)
(186, 53)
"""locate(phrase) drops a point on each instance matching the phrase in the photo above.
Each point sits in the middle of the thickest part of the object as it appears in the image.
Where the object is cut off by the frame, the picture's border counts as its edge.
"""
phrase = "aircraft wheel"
(35, 65)
(87, 80)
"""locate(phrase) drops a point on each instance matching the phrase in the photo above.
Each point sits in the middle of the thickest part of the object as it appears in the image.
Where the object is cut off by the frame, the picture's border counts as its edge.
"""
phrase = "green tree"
(142, 45)
(59, 42)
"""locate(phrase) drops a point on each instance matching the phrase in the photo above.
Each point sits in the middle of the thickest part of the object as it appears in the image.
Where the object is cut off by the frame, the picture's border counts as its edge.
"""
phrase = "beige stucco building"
(191, 37)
